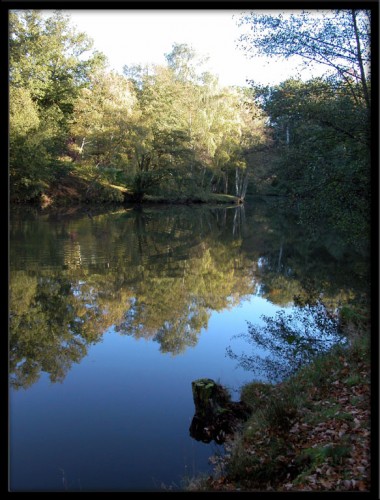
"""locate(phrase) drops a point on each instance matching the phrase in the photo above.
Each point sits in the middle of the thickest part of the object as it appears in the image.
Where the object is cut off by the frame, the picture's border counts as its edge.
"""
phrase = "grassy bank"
(74, 189)
(309, 433)
(209, 198)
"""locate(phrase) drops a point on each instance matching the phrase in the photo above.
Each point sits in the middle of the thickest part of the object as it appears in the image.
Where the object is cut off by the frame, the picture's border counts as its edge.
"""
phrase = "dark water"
(114, 313)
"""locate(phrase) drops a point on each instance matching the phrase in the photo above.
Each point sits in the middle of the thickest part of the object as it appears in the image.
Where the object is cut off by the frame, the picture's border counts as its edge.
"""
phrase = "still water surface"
(114, 313)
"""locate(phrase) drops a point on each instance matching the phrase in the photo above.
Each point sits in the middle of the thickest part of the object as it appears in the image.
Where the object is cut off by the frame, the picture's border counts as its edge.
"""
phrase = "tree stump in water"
(216, 416)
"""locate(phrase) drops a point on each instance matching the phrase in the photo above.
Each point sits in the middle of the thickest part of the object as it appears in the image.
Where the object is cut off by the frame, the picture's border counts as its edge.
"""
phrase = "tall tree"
(339, 39)
(48, 65)
(48, 57)
(159, 144)
(185, 62)
(100, 129)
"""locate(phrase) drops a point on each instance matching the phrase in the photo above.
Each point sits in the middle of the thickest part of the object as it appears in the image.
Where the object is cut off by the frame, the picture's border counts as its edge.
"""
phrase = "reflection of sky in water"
(225, 325)
(122, 415)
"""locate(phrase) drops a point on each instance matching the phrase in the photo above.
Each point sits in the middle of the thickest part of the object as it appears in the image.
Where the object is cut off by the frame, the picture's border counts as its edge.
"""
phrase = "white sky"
(143, 36)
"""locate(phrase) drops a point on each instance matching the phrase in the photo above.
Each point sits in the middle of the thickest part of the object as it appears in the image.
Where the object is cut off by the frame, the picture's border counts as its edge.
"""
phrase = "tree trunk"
(82, 146)
(226, 183)
(215, 414)
(241, 183)
(244, 186)
(360, 60)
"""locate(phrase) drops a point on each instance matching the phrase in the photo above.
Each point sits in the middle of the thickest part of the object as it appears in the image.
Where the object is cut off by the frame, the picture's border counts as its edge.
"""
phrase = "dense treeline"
(174, 131)
(154, 129)
(321, 158)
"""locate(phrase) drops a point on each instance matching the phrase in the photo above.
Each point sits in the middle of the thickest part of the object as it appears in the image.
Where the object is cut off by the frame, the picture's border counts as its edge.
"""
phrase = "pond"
(114, 312)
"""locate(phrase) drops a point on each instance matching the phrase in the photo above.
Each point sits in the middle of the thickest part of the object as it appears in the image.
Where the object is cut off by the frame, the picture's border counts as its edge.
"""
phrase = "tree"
(322, 142)
(48, 57)
(159, 145)
(24, 123)
(338, 39)
(192, 135)
(238, 129)
(100, 129)
(47, 68)
(185, 62)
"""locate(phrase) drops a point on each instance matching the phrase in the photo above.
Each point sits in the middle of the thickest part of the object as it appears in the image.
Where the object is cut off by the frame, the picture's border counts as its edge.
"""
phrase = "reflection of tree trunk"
(234, 226)
(239, 221)
(242, 215)
(220, 215)
(141, 234)
(280, 256)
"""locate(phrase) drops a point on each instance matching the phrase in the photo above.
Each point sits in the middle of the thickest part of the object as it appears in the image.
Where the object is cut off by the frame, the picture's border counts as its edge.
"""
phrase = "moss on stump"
(216, 416)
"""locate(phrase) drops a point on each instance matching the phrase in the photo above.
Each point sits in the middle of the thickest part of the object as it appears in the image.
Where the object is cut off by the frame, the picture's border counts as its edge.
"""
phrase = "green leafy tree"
(339, 39)
(100, 129)
(185, 62)
(159, 145)
(246, 134)
(48, 65)
(322, 128)
(28, 157)
(322, 141)
(48, 57)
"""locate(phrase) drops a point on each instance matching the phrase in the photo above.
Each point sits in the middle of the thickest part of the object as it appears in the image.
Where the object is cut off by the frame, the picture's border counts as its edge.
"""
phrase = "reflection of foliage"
(173, 309)
(292, 261)
(158, 282)
(292, 340)
(53, 319)
(175, 336)
(280, 289)
(152, 273)
(44, 335)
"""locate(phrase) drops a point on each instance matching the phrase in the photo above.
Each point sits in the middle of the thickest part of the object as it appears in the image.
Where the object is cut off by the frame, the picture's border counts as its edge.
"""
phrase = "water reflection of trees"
(152, 273)
(54, 317)
(173, 304)
(292, 262)
(290, 340)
